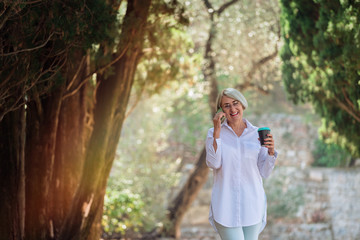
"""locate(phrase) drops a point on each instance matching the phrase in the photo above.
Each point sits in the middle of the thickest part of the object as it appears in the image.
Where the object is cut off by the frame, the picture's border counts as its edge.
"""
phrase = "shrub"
(122, 211)
(330, 155)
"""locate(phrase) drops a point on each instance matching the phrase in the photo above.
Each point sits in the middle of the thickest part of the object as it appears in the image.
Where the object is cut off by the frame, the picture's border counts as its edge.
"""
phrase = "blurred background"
(109, 130)
(312, 192)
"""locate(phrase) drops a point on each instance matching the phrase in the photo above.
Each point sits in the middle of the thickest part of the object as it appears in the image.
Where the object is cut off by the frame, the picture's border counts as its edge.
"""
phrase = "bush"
(122, 211)
(329, 155)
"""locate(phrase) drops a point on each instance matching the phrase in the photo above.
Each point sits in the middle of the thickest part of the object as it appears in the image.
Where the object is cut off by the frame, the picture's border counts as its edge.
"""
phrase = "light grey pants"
(238, 233)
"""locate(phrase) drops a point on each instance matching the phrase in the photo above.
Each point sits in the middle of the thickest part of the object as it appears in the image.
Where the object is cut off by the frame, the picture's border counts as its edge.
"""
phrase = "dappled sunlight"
(105, 109)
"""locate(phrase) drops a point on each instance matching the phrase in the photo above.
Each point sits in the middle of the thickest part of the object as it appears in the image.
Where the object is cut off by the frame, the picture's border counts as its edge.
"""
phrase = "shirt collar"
(249, 126)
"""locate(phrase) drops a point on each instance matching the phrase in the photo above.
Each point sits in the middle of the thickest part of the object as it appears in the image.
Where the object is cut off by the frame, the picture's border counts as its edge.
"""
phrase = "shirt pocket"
(251, 150)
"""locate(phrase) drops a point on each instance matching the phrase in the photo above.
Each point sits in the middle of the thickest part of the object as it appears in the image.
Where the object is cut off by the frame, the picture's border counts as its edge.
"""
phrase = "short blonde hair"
(231, 93)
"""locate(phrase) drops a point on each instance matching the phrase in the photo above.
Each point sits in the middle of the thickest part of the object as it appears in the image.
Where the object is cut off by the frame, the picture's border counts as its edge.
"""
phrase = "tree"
(321, 64)
(67, 73)
(43, 58)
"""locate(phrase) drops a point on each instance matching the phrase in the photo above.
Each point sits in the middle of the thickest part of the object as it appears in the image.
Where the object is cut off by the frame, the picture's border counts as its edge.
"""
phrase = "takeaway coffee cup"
(263, 134)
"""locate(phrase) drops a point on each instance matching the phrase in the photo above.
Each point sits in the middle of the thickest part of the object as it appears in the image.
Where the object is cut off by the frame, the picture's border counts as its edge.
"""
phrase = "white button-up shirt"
(239, 164)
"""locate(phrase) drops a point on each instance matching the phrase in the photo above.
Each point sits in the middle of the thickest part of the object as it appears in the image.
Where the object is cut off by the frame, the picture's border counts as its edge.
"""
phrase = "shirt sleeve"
(213, 159)
(266, 162)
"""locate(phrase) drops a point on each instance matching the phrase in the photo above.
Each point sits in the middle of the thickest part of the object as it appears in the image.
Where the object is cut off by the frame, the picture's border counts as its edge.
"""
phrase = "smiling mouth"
(234, 114)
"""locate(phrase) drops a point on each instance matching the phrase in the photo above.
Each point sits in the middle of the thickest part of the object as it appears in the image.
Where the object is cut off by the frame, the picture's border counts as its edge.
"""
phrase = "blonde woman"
(239, 162)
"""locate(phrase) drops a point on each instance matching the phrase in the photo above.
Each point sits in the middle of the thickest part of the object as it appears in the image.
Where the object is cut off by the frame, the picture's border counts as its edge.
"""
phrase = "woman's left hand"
(270, 144)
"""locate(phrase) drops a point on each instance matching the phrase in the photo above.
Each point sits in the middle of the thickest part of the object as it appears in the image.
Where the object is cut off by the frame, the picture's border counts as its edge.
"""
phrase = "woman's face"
(232, 108)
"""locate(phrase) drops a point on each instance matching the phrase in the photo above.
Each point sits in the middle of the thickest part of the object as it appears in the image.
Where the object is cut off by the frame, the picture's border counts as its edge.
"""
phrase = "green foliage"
(142, 164)
(40, 38)
(188, 131)
(330, 155)
(122, 210)
(166, 57)
(80, 22)
(163, 131)
(321, 64)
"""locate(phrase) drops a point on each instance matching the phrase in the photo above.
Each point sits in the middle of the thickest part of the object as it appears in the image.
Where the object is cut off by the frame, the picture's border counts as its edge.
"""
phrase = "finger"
(219, 115)
(222, 116)
(270, 143)
(269, 147)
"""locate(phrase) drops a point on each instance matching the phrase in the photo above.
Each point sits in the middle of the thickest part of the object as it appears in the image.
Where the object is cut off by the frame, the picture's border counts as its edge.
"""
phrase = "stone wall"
(330, 209)
(344, 211)
(327, 199)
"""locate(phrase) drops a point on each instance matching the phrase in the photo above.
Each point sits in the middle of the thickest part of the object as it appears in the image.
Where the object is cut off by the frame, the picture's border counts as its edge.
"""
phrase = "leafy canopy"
(321, 64)
(39, 38)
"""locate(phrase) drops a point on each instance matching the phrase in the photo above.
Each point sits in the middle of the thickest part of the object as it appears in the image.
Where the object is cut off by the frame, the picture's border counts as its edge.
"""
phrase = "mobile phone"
(223, 118)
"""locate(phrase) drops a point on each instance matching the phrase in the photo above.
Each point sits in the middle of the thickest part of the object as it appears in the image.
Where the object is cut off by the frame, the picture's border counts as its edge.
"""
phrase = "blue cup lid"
(263, 128)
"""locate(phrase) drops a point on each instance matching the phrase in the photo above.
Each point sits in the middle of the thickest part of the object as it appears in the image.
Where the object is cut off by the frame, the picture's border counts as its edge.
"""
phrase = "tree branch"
(6, 14)
(96, 71)
(246, 85)
(7, 79)
(77, 73)
(28, 49)
(248, 82)
(208, 4)
(261, 62)
(16, 105)
(347, 109)
(220, 10)
(225, 6)
(348, 100)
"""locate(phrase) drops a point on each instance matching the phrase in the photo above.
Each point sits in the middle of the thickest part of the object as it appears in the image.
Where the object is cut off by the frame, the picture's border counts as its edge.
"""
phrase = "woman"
(233, 151)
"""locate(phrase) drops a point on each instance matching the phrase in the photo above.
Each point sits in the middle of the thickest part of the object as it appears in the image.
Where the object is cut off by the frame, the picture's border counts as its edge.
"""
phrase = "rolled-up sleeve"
(213, 158)
(266, 162)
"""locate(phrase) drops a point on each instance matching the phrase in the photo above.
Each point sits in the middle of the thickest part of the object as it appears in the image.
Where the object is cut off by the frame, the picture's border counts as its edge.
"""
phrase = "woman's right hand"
(217, 126)
(217, 120)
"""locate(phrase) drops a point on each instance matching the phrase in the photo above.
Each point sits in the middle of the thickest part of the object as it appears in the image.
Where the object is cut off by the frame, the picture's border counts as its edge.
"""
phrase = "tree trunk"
(209, 69)
(111, 101)
(12, 175)
(42, 124)
(187, 195)
(197, 179)
(54, 145)
(55, 153)
(71, 142)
